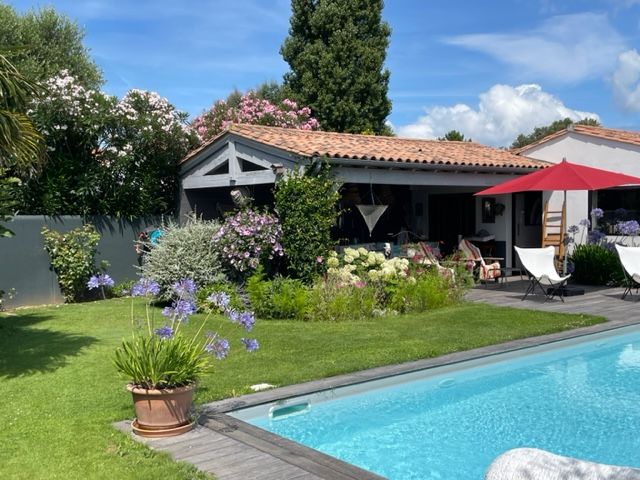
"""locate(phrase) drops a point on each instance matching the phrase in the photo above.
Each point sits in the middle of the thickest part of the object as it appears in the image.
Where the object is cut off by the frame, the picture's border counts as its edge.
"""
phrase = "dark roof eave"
(411, 165)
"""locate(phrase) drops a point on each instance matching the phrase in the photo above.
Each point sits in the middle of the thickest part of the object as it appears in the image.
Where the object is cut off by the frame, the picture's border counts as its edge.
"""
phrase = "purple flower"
(597, 213)
(251, 344)
(246, 319)
(101, 280)
(144, 287)
(219, 348)
(184, 288)
(165, 333)
(180, 310)
(630, 227)
(219, 299)
(596, 236)
(93, 283)
(233, 315)
(585, 222)
(573, 229)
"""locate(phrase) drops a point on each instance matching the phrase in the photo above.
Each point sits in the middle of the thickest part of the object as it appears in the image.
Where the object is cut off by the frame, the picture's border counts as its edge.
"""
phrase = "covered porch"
(426, 186)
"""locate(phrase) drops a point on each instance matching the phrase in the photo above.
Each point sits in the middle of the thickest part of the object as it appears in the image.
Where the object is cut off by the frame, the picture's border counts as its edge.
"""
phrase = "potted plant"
(164, 364)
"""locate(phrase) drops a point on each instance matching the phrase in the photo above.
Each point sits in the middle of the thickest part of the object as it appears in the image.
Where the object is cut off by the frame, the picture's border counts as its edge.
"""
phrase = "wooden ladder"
(553, 229)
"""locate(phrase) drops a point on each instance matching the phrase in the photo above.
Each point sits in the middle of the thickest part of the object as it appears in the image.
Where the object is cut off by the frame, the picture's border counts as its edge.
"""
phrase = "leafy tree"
(454, 136)
(44, 43)
(306, 204)
(272, 91)
(336, 51)
(20, 143)
(541, 132)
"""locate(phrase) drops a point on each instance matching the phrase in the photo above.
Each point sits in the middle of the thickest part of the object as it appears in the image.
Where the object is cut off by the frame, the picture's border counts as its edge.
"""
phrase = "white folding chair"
(539, 265)
(630, 261)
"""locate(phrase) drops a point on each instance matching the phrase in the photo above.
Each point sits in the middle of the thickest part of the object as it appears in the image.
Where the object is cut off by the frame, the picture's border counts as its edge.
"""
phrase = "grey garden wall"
(24, 264)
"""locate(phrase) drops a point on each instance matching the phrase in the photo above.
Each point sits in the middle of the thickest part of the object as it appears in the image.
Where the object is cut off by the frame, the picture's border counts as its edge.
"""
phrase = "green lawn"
(60, 391)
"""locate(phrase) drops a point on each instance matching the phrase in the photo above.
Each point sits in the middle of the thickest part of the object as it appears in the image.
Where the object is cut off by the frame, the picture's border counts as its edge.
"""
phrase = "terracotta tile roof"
(624, 136)
(383, 149)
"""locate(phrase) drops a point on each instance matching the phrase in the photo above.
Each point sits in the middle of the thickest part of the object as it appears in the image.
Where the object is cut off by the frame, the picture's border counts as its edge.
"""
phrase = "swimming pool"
(578, 398)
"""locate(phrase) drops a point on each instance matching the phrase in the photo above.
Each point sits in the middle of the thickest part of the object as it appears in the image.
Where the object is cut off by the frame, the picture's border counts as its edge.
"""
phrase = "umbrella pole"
(566, 245)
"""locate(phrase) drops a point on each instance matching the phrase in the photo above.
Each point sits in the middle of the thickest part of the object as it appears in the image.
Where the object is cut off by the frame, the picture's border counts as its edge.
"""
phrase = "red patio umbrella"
(563, 176)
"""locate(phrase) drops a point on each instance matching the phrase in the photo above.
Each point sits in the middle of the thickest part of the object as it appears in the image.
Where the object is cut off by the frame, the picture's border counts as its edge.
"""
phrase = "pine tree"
(336, 51)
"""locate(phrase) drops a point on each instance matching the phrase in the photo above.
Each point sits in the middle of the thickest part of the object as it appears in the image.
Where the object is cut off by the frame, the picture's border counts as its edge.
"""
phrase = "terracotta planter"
(162, 412)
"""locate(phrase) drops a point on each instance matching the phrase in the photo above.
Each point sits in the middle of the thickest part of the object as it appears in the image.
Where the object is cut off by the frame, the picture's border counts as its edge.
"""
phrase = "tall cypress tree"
(336, 50)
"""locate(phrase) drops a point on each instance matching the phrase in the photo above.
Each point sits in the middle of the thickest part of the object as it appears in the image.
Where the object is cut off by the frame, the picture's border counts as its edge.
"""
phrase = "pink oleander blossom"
(256, 111)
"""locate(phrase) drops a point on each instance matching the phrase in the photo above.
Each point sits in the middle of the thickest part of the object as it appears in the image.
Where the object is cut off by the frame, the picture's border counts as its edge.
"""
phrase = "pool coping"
(314, 464)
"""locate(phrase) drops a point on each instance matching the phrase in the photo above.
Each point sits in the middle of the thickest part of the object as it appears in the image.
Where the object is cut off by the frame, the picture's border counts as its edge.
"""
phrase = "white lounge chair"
(630, 261)
(539, 265)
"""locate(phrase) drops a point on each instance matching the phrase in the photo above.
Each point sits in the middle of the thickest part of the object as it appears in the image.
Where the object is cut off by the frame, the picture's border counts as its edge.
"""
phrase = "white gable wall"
(590, 151)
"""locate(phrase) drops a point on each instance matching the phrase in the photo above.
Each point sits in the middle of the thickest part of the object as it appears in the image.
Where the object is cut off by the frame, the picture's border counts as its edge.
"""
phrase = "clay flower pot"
(162, 413)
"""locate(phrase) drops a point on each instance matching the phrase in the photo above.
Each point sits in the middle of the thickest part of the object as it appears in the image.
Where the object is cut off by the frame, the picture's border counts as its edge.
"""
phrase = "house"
(605, 148)
(426, 185)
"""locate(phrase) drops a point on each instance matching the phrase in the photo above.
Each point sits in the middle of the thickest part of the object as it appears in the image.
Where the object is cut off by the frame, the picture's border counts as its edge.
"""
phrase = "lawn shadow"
(25, 350)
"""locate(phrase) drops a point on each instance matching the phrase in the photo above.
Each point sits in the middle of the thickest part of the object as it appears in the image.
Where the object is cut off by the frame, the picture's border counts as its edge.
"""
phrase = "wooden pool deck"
(234, 450)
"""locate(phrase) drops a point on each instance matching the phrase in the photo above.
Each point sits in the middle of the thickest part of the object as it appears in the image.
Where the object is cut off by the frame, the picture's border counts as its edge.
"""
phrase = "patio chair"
(540, 267)
(428, 257)
(630, 261)
(482, 270)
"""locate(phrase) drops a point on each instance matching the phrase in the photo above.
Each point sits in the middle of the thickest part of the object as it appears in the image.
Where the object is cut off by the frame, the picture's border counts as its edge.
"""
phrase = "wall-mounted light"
(277, 168)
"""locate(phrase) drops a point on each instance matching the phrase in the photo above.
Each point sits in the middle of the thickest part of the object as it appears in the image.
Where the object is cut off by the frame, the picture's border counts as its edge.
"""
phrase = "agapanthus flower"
(246, 320)
(596, 236)
(597, 213)
(218, 348)
(101, 280)
(184, 288)
(630, 227)
(573, 229)
(144, 287)
(180, 310)
(165, 333)
(585, 222)
(251, 344)
(233, 315)
(219, 299)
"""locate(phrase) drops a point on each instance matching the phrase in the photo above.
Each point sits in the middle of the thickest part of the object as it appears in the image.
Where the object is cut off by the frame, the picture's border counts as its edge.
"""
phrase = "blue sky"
(489, 69)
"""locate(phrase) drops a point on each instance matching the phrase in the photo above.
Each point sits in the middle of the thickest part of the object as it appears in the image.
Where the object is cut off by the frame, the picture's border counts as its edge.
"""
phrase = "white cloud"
(625, 81)
(503, 112)
(564, 48)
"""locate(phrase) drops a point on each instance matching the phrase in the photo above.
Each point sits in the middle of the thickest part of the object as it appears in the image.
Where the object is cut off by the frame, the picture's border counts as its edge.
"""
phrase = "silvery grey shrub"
(186, 251)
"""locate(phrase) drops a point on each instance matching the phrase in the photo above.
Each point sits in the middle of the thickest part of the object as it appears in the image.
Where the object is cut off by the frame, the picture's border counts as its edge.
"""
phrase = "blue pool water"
(582, 400)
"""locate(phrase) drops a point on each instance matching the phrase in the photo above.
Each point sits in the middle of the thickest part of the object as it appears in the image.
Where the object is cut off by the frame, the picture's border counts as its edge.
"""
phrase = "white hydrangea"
(333, 261)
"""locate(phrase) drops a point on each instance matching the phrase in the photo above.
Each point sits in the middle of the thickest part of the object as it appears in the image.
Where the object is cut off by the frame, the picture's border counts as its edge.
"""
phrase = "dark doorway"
(451, 215)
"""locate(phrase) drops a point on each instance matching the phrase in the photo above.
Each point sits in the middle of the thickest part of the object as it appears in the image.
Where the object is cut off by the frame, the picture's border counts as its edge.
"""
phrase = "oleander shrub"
(72, 255)
(187, 251)
(596, 265)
